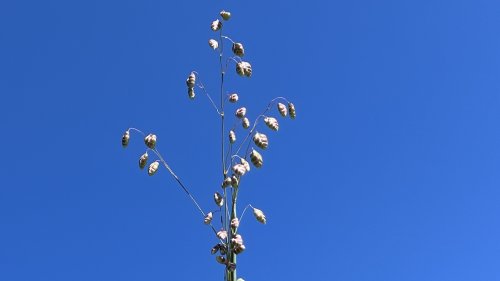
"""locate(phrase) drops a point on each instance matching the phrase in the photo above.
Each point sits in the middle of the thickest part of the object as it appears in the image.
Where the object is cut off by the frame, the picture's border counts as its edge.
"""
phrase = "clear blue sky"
(390, 171)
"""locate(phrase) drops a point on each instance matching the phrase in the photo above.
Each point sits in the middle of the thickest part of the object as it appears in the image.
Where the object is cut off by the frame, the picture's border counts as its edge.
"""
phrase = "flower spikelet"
(150, 141)
(244, 68)
(213, 44)
(245, 123)
(125, 138)
(232, 136)
(219, 200)
(260, 140)
(143, 160)
(216, 25)
(225, 15)
(153, 167)
(239, 169)
(256, 158)
(238, 49)
(272, 123)
(208, 218)
(282, 109)
(241, 112)
(233, 98)
(259, 215)
(291, 109)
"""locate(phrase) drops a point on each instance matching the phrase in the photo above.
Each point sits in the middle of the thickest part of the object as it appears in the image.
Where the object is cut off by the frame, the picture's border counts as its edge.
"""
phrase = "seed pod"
(260, 140)
(191, 93)
(125, 138)
(219, 200)
(233, 98)
(232, 136)
(215, 249)
(272, 123)
(221, 259)
(245, 164)
(208, 218)
(191, 80)
(282, 109)
(222, 234)
(150, 141)
(240, 112)
(235, 223)
(238, 49)
(225, 15)
(291, 109)
(256, 158)
(259, 215)
(245, 123)
(143, 160)
(239, 169)
(153, 167)
(216, 25)
(244, 68)
(235, 181)
(213, 44)
(222, 249)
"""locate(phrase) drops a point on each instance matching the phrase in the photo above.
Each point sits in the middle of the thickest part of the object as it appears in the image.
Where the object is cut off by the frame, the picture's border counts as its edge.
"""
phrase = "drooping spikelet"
(219, 200)
(240, 112)
(272, 123)
(232, 136)
(125, 138)
(153, 167)
(216, 25)
(222, 234)
(143, 160)
(259, 215)
(208, 218)
(291, 109)
(282, 109)
(245, 123)
(244, 68)
(213, 44)
(226, 182)
(150, 141)
(225, 15)
(191, 80)
(238, 49)
(260, 140)
(235, 181)
(256, 158)
(239, 169)
(233, 98)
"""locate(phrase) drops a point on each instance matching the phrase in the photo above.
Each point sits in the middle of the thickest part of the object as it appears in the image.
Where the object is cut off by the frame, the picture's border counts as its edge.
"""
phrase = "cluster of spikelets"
(230, 240)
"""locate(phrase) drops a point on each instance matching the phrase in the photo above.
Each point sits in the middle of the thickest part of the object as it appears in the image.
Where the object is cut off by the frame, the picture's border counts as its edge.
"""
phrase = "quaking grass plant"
(235, 156)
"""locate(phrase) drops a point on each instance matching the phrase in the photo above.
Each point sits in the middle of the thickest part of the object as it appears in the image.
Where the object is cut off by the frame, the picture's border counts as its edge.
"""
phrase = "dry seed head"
(244, 68)
(245, 123)
(260, 140)
(231, 266)
(225, 15)
(233, 98)
(153, 167)
(226, 182)
(239, 169)
(143, 160)
(237, 239)
(208, 218)
(125, 138)
(232, 136)
(245, 164)
(256, 158)
(216, 25)
(240, 112)
(191, 80)
(259, 215)
(238, 49)
(235, 181)
(219, 200)
(291, 109)
(191, 93)
(213, 44)
(235, 223)
(222, 234)
(272, 123)
(282, 109)
(150, 141)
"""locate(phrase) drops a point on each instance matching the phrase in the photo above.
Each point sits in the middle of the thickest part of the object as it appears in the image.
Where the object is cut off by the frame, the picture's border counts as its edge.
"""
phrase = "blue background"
(389, 172)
